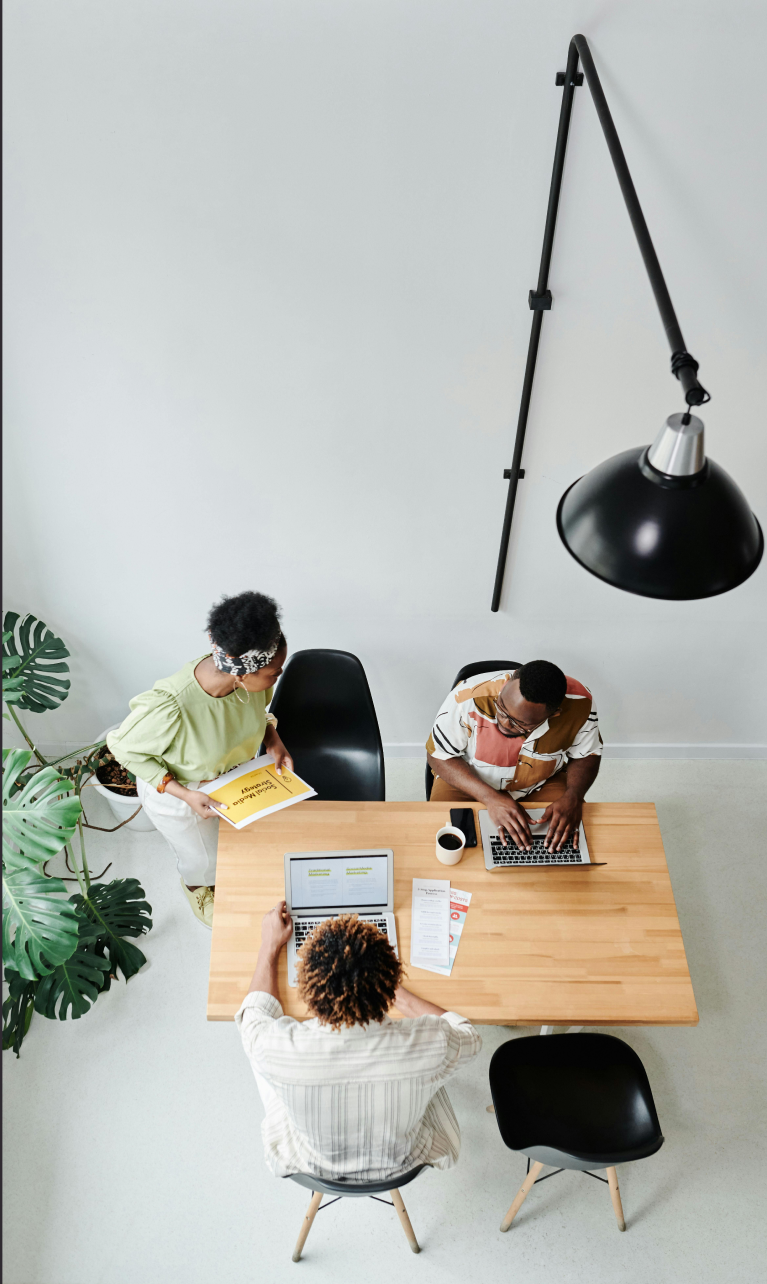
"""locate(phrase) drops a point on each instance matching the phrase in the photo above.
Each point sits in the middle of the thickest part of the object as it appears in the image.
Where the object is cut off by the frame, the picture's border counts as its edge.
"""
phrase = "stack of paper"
(459, 908)
(255, 789)
(439, 913)
(430, 928)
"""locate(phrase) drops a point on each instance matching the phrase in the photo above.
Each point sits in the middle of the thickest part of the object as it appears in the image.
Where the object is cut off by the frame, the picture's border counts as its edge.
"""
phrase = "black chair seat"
(351, 1188)
(468, 671)
(584, 1095)
(327, 721)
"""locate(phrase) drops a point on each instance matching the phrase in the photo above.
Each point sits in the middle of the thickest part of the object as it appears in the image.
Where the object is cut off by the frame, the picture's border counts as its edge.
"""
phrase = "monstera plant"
(60, 952)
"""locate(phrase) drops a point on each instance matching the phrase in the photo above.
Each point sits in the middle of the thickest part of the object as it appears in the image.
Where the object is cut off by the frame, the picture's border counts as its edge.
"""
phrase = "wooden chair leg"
(311, 1213)
(399, 1204)
(615, 1195)
(521, 1195)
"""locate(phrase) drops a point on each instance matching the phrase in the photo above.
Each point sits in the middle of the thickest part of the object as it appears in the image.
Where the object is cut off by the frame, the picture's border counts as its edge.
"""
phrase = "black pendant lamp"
(662, 520)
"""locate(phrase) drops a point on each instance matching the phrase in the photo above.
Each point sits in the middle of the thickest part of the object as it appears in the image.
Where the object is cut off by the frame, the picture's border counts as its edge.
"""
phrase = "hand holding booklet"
(256, 789)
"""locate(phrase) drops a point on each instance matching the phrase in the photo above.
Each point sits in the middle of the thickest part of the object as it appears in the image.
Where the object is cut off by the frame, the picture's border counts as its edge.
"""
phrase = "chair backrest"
(350, 1189)
(328, 723)
(468, 671)
(581, 1095)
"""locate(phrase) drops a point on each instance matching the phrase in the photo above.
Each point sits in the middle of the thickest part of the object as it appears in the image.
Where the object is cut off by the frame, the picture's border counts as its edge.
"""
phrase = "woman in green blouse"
(199, 723)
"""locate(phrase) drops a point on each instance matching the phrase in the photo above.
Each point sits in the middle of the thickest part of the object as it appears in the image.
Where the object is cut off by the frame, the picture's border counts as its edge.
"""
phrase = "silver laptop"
(319, 885)
(510, 856)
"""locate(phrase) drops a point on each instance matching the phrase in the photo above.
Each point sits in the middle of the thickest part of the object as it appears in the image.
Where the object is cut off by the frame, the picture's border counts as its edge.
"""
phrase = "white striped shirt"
(365, 1102)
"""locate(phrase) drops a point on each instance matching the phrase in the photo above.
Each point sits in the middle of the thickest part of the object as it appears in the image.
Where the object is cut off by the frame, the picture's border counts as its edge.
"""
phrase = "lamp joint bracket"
(507, 474)
(539, 302)
(578, 78)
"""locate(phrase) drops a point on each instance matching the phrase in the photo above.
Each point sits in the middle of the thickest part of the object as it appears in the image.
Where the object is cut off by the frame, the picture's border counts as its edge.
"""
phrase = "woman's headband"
(249, 662)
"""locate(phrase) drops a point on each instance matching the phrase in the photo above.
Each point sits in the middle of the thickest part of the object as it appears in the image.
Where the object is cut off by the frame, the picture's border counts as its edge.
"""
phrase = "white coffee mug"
(447, 855)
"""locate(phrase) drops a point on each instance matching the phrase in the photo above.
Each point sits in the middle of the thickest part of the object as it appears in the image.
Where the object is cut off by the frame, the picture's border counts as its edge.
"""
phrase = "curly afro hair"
(348, 972)
(542, 682)
(247, 622)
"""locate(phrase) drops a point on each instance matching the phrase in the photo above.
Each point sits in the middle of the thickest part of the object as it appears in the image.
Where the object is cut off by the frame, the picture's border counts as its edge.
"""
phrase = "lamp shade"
(659, 534)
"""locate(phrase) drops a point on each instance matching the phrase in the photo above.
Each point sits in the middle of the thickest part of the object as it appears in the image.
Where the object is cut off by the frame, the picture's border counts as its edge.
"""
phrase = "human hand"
(509, 818)
(563, 817)
(278, 751)
(276, 927)
(202, 805)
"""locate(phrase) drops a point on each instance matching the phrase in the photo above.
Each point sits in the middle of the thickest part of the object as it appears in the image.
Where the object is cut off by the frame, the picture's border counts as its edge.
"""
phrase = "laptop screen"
(318, 882)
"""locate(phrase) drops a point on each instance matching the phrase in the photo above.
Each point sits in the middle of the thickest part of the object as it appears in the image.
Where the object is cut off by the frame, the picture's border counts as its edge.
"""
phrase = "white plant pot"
(122, 808)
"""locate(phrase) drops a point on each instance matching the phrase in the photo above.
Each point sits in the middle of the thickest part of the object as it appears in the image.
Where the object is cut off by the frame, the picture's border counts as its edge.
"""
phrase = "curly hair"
(348, 972)
(247, 622)
(542, 682)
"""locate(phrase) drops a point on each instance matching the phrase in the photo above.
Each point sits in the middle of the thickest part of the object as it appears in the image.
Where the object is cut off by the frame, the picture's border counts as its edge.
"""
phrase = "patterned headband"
(250, 662)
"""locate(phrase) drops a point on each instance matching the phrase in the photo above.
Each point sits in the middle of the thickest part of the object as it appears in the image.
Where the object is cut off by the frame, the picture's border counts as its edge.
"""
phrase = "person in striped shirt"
(500, 736)
(351, 1092)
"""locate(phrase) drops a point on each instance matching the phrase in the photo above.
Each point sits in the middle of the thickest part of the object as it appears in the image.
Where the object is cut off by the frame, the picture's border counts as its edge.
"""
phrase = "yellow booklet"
(255, 789)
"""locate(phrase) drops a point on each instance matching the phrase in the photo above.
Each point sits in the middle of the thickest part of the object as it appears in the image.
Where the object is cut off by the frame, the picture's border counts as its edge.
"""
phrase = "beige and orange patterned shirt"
(466, 727)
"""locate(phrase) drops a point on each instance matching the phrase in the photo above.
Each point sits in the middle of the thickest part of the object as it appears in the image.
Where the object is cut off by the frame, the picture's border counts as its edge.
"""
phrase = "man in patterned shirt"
(500, 736)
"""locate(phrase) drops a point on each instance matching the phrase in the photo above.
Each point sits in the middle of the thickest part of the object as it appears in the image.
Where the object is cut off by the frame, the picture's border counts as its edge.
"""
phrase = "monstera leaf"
(34, 683)
(12, 686)
(73, 985)
(39, 929)
(17, 1009)
(39, 818)
(117, 910)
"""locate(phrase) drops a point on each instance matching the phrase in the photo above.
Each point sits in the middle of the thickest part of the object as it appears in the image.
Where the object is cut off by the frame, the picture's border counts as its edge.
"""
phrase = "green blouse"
(177, 727)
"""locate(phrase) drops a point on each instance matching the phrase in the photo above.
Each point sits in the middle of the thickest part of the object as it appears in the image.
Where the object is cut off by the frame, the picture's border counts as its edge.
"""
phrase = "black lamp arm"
(683, 365)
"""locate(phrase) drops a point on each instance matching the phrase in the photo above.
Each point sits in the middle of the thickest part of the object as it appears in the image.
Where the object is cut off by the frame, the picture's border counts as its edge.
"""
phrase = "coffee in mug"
(450, 844)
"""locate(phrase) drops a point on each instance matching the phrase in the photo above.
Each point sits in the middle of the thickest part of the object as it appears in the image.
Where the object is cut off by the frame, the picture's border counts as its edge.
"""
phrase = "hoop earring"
(237, 689)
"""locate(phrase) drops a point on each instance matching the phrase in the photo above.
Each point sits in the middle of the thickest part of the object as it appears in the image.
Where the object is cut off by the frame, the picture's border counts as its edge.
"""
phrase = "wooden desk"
(541, 946)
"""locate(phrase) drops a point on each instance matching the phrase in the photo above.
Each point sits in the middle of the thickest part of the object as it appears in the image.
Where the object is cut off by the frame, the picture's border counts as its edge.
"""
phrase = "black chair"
(354, 1190)
(328, 722)
(468, 671)
(579, 1101)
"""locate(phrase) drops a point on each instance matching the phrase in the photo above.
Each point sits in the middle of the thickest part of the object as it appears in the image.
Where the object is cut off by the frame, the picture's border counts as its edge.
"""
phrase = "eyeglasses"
(519, 728)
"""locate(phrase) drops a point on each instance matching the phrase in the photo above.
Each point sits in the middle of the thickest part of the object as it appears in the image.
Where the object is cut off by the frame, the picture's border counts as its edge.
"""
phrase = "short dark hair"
(348, 972)
(246, 622)
(542, 682)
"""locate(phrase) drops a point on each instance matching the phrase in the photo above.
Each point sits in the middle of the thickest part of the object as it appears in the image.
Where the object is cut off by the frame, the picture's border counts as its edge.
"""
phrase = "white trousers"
(193, 841)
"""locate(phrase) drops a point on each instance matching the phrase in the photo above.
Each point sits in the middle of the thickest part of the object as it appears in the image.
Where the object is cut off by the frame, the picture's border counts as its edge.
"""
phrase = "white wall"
(266, 320)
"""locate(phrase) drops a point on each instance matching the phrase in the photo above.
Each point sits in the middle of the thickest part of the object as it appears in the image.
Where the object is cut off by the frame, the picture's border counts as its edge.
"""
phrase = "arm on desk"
(565, 813)
(504, 812)
(276, 927)
(411, 1006)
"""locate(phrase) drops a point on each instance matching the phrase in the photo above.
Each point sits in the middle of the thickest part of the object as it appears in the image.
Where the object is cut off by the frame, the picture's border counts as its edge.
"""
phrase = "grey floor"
(132, 1147)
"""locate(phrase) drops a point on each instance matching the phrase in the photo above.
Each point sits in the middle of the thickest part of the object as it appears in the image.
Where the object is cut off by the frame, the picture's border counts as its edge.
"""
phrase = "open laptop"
(513, 857)
(319, 885)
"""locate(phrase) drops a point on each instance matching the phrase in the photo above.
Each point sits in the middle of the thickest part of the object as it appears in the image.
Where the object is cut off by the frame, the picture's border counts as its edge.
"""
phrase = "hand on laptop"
(509, 818)
(276, 928)
(563, 817)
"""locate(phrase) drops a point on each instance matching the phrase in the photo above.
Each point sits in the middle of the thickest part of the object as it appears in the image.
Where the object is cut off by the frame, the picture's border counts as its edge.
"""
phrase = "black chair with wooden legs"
(469, 671)
(355, 1190)
(579, 1101)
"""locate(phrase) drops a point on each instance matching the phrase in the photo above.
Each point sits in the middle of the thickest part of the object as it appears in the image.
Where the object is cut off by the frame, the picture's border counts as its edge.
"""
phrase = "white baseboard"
(666, 750)
(416, 749)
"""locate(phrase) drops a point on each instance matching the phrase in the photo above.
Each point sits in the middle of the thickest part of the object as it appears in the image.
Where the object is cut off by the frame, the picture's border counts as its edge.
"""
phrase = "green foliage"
(117, 910)
(39, 929)
(74, 985)
(40, 817)
(12, 684)
(17, 1009)
(41, 656)
(60, 953)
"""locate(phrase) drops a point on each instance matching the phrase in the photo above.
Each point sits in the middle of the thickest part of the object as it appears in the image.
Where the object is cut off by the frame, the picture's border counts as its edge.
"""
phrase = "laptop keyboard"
(513, 855)
(304, 927)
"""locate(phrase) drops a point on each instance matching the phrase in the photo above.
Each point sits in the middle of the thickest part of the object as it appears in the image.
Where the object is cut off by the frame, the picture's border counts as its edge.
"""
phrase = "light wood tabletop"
(554, 946)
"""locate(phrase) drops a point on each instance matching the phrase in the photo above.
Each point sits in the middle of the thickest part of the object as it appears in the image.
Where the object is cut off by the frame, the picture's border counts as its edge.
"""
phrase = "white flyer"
(459, 908)
(430, 927)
